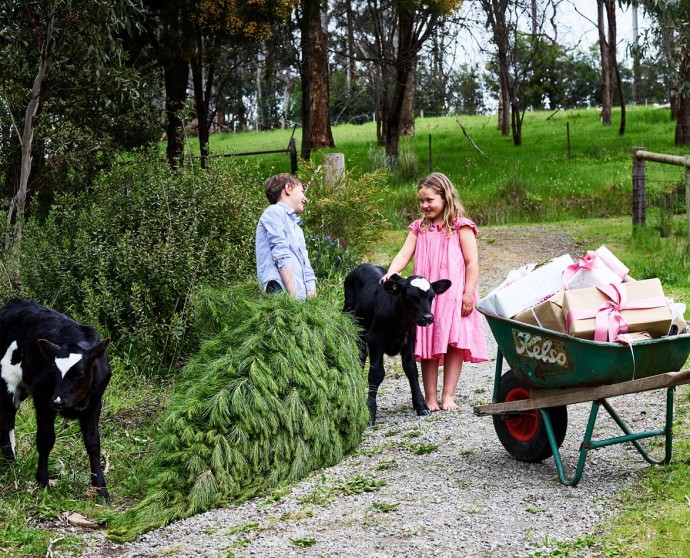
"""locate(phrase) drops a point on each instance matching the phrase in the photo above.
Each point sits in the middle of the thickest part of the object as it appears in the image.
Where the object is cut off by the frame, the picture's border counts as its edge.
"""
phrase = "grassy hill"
(569, 164)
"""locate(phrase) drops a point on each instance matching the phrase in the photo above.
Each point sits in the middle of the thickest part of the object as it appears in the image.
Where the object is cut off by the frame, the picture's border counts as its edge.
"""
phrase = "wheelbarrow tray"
(545, 359)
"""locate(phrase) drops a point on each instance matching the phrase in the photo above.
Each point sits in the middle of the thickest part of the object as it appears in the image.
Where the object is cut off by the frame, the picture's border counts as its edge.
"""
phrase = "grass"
(550, 178)
(538, 182)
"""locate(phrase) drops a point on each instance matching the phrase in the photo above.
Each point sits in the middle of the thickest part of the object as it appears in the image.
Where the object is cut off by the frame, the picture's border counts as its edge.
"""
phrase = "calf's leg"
(7, 414)
(45, 439)
(410, 367)
(376, 373)
(92, 442)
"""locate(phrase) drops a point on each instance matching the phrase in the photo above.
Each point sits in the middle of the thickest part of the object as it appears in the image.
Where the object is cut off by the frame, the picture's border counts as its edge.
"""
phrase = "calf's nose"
(58, 403)
(425, 319)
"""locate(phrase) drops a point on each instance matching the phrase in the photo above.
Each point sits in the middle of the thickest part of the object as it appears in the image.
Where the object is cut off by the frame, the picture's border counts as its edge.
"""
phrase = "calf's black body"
(63, 366)
(388, 314)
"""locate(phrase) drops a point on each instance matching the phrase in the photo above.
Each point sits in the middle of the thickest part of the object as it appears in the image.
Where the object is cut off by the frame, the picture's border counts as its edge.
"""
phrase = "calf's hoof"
(424, 413)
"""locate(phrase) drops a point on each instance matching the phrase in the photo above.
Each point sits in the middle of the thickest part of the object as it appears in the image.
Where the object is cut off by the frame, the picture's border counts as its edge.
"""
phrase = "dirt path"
(442, 486)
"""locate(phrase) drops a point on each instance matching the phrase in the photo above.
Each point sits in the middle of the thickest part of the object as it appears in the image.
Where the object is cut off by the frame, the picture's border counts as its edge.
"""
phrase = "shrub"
(350, 212)
(276, 391)
(127, 255)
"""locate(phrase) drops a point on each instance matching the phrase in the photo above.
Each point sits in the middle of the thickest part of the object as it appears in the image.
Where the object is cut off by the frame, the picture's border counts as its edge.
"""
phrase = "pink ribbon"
(590, 262)
(608, 321)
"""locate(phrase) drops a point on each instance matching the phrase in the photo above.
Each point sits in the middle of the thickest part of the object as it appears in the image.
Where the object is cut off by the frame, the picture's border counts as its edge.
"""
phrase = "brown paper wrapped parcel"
(601, 313)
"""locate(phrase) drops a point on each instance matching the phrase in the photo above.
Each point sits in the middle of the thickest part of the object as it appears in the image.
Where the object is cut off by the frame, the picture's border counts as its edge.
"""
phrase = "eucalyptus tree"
(672, 18)
(518, 53)
(70, 96)
(316, 124)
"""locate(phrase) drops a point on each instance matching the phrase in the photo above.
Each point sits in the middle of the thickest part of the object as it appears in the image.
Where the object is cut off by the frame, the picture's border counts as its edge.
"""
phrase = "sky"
(576, 28)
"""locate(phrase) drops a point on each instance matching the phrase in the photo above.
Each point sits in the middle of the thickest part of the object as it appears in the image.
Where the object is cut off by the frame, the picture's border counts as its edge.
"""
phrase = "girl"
(443, 245)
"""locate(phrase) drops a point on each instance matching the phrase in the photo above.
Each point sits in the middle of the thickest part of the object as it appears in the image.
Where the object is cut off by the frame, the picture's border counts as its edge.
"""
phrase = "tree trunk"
(682, 138)
(176, 72)
(606, 68)
(202, 97)
(407, 118)
(18, 204)
(316, 123)
(405, 64)
(516, 124)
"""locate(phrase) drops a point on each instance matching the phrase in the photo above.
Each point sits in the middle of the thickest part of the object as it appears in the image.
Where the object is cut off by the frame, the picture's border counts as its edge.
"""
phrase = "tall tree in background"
(673, 28)
(67, 89)
(415, 23)
(216, 25)
(316, 123)
(497, 21)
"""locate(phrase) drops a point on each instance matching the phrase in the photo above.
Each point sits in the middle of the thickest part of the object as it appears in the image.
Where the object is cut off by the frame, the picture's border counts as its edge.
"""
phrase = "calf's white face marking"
(421, 283)
(11, 373)
(64, 364)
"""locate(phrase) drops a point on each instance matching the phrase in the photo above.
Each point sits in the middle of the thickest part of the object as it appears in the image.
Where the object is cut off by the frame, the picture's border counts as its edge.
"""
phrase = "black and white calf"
(388, 314)
(63, 366)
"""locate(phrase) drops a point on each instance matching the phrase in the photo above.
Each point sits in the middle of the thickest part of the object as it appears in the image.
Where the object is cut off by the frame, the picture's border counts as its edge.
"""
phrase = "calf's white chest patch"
(64, 364)
(11, 373)
(421, 283)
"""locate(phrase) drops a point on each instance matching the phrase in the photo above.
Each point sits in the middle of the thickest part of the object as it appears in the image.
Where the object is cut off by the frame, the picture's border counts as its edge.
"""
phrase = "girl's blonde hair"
(441, 185)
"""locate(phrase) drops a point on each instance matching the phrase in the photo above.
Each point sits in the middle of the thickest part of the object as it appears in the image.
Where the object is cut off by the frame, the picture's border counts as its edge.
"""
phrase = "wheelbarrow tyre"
(524, 435)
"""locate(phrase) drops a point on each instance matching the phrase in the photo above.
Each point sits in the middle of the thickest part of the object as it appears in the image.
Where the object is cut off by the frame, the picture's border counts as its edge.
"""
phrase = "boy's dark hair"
(275, 184)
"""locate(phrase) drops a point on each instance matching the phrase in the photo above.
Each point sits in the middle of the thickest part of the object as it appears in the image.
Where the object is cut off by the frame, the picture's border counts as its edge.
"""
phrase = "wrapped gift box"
(541, 283)
(599, 267)
(635, 306)
(547, 314)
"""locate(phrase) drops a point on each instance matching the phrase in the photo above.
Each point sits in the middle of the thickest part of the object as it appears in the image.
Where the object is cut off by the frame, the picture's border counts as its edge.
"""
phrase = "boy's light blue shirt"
(280, 243)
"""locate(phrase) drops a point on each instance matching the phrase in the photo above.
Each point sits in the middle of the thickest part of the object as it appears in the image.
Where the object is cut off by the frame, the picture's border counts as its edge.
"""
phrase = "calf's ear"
(394, 284)
(100, 348)
(48, 349)
(441, 286)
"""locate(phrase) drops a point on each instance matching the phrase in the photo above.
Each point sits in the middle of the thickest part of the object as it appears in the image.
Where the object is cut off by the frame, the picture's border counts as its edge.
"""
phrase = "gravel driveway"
(442, 486)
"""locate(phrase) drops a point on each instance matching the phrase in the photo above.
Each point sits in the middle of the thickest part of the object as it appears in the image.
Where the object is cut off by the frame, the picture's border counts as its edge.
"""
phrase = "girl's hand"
(467, 304)
(386, 277)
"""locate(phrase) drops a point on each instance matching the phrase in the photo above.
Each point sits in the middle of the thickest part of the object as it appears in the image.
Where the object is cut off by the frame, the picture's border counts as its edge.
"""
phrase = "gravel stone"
(467, 497)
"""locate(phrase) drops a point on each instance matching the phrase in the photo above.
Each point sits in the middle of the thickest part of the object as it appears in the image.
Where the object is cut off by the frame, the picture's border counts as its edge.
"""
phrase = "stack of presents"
(592, 298)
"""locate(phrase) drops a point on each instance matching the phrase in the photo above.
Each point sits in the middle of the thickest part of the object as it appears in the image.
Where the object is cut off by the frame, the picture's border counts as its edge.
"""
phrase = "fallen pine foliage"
(275, 392)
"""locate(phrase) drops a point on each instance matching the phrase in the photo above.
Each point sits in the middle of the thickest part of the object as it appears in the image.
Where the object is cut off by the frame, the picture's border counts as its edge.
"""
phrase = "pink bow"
(608, 321)
(591, 261)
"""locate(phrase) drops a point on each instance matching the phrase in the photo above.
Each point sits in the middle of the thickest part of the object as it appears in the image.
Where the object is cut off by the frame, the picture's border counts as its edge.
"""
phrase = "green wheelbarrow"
(550, 370)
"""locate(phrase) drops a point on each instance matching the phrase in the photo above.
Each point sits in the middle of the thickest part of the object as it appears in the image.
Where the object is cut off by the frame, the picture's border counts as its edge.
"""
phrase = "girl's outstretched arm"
(468, 243)
(402, 258)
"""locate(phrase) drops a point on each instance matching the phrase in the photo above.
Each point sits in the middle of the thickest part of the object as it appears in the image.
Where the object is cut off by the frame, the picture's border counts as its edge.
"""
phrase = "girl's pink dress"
(439, 256)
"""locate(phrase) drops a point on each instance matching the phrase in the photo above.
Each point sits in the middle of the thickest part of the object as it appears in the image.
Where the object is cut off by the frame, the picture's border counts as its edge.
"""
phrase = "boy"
(282, 262)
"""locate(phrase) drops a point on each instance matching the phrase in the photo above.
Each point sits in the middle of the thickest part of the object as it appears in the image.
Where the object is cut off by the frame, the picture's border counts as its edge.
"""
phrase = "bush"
(126, 256)
(350, 212)
(276, 391)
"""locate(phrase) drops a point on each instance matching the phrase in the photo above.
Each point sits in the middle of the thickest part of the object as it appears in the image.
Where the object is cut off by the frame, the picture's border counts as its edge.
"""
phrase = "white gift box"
(510, 298)
(597, 268)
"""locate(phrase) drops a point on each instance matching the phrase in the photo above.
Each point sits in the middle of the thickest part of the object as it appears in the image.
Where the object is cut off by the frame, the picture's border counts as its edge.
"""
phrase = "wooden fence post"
(334, 163)
(292, 147)
(639, 194)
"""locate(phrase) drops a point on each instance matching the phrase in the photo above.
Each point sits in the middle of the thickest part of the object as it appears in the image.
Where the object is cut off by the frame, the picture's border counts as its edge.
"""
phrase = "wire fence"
(661, 187)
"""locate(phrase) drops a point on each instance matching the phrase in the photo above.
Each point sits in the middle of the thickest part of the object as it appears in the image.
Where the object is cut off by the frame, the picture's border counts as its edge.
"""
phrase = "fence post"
(687, 199)
(639, 194)
(334, 165)
(567, 133)
(292, 147)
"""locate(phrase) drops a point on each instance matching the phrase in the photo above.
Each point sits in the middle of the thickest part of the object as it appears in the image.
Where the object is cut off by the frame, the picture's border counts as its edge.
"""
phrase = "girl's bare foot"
(433, 406)
(449, 405)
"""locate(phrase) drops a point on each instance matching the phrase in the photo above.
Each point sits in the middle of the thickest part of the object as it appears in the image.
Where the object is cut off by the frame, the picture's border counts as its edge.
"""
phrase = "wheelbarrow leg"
(497, 375)
(667, 431)
(584, 448)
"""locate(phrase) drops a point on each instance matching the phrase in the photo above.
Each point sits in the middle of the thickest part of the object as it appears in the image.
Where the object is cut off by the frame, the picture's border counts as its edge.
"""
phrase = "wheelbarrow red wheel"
(523, 434)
